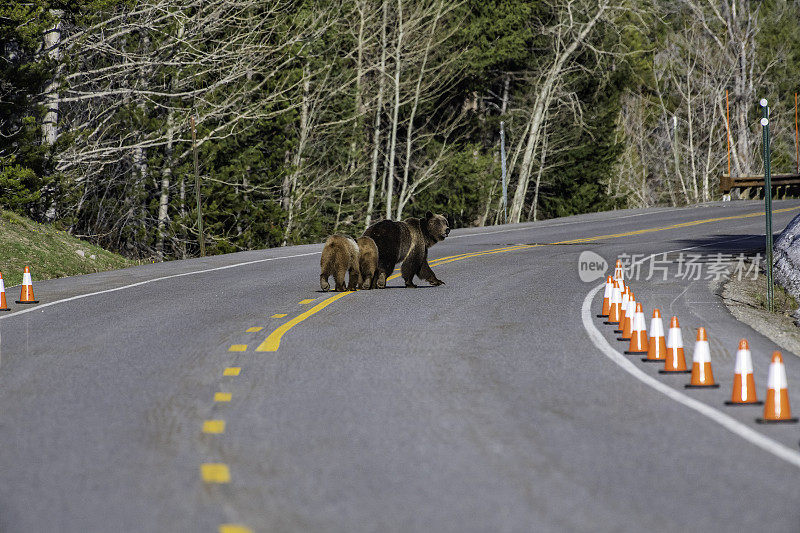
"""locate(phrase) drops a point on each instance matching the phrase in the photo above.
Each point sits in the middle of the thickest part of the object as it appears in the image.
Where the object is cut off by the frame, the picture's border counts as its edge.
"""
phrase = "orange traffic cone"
(702, 376)
(26, 294)
(615, 303)
(656, 344)
(744, 385)
(638, 342)
(607, 297)
(675, 363)
(776, 409)
(3, 304)
(627, 321)
(623, 308)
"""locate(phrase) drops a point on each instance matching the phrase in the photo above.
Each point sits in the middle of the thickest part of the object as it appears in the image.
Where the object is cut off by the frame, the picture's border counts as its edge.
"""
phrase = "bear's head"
(436, 226)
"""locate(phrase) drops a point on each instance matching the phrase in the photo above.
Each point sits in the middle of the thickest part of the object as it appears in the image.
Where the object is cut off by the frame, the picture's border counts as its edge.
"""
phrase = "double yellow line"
(273, 341)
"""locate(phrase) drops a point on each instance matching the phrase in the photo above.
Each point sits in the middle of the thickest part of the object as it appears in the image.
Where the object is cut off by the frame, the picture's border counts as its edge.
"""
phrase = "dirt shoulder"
(746, 300)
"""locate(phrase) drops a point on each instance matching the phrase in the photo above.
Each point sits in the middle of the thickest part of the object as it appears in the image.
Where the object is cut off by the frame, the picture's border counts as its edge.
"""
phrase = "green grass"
(50, 253)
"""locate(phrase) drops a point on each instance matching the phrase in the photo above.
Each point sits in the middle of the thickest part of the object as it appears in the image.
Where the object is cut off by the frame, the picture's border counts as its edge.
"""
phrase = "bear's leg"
(366, 281)
(339, 277)
(355, 279)
(408, 269)
(323, 283)
(427, 274)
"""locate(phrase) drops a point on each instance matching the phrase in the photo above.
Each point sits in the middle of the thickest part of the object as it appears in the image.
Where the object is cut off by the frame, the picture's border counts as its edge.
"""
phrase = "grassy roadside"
(49, 253)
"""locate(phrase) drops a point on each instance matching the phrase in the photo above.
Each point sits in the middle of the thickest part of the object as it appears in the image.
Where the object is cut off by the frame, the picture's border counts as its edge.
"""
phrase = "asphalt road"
(482, 405)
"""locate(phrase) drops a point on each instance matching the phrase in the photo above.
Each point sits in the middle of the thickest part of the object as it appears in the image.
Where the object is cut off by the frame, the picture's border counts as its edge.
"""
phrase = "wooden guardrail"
(727, 183)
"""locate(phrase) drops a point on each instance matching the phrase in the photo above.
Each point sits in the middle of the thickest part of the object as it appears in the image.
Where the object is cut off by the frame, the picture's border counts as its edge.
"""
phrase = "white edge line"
(533, 226)
(734, 426)
(145, 282)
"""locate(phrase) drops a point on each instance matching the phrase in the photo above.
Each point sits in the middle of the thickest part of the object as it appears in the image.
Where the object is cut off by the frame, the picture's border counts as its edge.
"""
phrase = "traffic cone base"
(24, 302)
(648, 360)
(711, 386)
(674, 371)
(783, 421)
(757, 402)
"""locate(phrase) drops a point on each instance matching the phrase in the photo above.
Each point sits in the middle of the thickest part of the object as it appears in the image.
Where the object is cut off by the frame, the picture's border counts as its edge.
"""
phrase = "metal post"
(796, 141)
(768, 204)
(197, 195)
(503, 170)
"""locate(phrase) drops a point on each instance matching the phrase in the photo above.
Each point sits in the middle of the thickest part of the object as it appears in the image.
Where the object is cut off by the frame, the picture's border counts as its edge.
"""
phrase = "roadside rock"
(80, 253)
(786, 267)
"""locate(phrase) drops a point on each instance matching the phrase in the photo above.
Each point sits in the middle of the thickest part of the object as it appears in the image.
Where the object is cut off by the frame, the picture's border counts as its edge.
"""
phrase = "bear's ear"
(428, 215)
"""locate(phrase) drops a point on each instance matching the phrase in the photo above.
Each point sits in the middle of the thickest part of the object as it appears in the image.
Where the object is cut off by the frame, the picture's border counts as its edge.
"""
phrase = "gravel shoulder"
(745, 299)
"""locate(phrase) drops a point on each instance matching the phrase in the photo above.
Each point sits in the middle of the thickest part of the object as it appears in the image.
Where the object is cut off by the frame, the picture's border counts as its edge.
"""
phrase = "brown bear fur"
(367, 262)
(407, 241)
(339, 256)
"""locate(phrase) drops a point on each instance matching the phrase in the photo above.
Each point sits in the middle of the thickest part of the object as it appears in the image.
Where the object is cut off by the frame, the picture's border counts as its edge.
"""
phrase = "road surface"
(493, 403)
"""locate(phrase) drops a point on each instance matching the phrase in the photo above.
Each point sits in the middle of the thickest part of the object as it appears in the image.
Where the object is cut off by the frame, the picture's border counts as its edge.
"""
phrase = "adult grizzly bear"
(367, 262)
(407, 241)
(339, 256)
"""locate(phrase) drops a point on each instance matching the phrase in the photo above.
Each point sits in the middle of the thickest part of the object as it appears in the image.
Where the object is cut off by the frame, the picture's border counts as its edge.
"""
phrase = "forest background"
(315, 117)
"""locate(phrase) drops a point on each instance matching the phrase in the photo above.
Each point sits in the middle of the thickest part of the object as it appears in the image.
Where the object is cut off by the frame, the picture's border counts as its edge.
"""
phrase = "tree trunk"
(166, 174)
(52, 47)
(677, 159)
(404, 196)
(542, 158)
(395, 111)
(539, 112)
(376, 135)
(297, 159)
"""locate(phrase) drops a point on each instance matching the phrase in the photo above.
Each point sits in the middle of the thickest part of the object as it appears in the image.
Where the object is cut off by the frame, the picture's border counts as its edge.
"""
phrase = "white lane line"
(765, 443)
(140, 283)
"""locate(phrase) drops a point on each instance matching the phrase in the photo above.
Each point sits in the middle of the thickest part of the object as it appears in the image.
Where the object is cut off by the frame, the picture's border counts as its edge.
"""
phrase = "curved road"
(229, 394)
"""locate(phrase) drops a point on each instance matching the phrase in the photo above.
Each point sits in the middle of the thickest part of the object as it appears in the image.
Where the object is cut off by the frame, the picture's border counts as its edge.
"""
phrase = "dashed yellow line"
(232, 371)
(215, 427)
(272, 342)
(234, 528)
(222, 396)
(279, 315)
(307, 301)
(215, 473)
(238, 348)
(254, 329)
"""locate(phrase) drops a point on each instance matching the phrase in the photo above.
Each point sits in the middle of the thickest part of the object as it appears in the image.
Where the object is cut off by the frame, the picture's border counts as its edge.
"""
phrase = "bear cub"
(342, 255)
